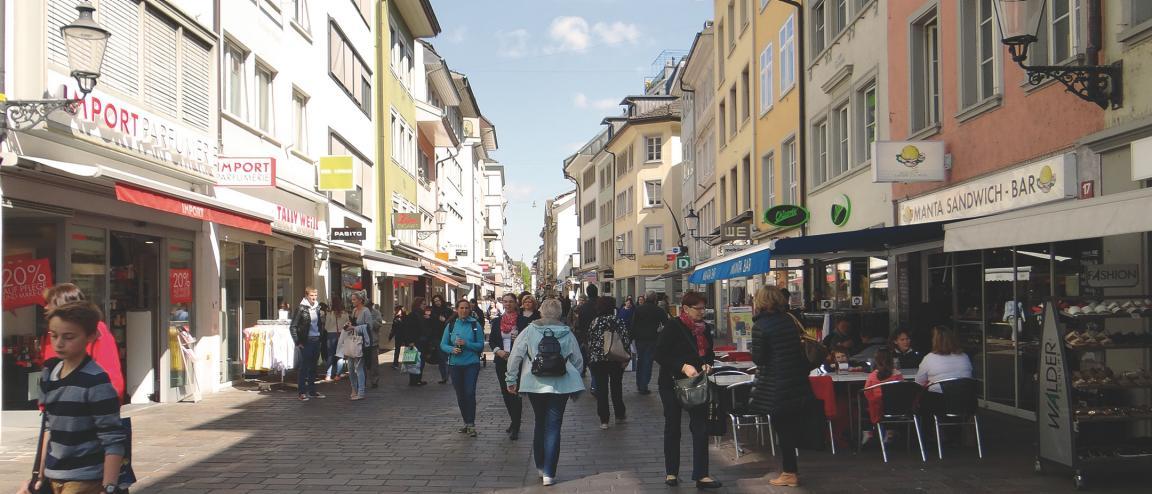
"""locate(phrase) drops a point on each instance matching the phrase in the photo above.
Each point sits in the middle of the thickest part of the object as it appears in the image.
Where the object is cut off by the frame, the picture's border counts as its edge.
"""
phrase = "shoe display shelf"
(1095, 400)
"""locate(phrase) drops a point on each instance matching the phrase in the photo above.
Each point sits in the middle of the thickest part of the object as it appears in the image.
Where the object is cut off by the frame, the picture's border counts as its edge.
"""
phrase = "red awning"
(169, 204)
(445, 278)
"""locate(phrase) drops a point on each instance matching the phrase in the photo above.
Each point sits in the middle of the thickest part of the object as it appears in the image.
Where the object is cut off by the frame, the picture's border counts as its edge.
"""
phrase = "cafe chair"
(823, 389)
(742, 417)
(899, 400)
(958, 408)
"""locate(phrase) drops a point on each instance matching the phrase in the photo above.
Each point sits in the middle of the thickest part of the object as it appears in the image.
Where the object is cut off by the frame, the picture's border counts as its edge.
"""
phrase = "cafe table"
(851, 382)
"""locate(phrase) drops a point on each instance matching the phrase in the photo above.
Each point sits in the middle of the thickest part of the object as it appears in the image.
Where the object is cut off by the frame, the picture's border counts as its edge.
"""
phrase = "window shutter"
(121, 69)
(195, 74)
(60, 12)
(160, 63)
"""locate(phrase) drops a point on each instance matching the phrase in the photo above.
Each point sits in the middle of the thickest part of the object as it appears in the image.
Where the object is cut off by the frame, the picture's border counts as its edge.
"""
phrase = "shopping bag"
(409, 355)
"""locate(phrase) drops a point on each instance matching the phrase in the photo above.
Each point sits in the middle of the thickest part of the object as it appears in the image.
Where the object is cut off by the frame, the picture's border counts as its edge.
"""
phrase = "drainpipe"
(613, 213)
(1092, 49)
(802, 132)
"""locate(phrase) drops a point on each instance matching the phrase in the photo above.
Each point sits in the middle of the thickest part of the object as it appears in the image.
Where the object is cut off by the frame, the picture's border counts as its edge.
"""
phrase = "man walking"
(645, 322)
(584, 316)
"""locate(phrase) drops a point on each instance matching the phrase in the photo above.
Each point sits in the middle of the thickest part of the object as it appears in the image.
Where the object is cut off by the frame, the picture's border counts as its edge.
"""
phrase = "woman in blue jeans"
(548, 394)
(463, 341)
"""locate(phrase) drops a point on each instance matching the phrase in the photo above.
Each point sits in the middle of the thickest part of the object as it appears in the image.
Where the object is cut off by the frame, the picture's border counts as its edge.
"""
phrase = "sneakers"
(462, 430)
(317, 395)
(357, 397)
(471, 431)
(303, 397)
(604, 425)
(547, 481)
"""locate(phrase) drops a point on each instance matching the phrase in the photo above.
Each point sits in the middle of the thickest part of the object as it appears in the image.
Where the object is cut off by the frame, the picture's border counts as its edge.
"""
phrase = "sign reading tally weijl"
(111, 121)
(1044, 181)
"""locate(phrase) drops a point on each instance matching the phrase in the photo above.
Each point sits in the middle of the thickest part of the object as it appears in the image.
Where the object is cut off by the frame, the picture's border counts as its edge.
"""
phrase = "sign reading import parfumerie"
(245, 172)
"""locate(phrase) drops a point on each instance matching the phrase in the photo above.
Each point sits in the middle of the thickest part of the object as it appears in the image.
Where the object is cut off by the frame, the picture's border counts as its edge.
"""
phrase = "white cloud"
(457, 35)
(617, 32)
(571, 32)
(519, 190)
(513, 44)
(581, 101)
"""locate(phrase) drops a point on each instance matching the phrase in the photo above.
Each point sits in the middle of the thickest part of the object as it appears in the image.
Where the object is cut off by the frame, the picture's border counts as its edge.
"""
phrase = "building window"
(840, 17)
(745, 94)
(1065, 29)
(791, 177)
(654, 240)
(866, 121)
(589, 212)
(653, 148)
(403, 144)
(978, 51)
(589, 253)
(720, 51)
(925, 72)
(732, 114)
(722, 119)
(732, 20)
(348, 68)
(746, 181)
(653, 193)
(264, 99)
(401, 58)
(820, 149)
(300, 15)
(365, 9)
(819, 10)
(743, 14)
(766, 79)
(768, 172)
(840, 154)
(787, 55)
(1141, 10)
(589, 178)
(723, 191)
(624, 203)
(234, 85)
(300, 122)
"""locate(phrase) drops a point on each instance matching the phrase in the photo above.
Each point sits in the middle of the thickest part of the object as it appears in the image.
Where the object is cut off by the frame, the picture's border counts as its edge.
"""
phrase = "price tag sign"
(180, 286)
(25, 281)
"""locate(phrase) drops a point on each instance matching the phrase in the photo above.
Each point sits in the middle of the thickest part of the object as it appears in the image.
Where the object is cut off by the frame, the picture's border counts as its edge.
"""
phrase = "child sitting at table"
(884, 373)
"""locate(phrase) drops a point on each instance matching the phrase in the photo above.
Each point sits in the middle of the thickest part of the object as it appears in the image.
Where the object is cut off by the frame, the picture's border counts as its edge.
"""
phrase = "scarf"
(508, 323)
(699, 330)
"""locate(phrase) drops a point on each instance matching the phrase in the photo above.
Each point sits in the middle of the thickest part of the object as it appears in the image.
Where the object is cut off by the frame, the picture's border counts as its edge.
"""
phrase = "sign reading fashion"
(786, 215)
(246, 172)
(112, 121)
(1112, 275)
(348, 234)
(908, 161)
(25, 280)
(1049, 180)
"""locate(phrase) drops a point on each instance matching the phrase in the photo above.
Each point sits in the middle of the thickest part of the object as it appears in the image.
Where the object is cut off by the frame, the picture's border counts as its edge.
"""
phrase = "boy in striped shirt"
(85, 441)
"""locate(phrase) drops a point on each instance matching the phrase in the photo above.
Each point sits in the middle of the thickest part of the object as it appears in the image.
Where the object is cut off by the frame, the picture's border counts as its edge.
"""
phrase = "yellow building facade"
(735, 107)
(777, 97)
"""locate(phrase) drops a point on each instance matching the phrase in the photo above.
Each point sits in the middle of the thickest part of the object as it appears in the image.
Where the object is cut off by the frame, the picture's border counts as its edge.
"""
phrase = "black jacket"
(675, 346)
(646, 320)
(410, 328)
(584, 316)
(302, 323)
(908, 360)
(782, 368)
(496, 341)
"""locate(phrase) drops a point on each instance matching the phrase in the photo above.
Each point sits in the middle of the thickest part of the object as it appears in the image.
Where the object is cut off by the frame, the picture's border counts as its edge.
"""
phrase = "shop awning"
(390, 269)
(448, 280)
(175, 205)
(858, 243)
(1113, 214)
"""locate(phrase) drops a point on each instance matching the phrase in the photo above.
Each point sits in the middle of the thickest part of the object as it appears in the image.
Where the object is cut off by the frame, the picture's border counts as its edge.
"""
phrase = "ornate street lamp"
(692, 221)
(441, 219)
(620, 249)
(1020, 22)
(85, 42)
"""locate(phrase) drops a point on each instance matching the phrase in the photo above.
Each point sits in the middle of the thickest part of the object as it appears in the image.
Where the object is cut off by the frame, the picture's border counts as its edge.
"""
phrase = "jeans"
(334, 362)
(356, 374)
(464, 380)
(443, 365)
(306, 371)
(787, 427)
(512, 402)
(697, 424)
(645, 353)
(609, 377)
(548, 409)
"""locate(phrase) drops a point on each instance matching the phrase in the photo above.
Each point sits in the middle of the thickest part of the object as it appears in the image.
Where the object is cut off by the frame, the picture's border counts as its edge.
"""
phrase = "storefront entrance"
(133, 288)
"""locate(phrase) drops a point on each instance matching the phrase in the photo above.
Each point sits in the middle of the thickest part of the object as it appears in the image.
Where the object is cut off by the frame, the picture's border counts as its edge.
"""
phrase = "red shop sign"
(180, 286)
(25, 280)
(141, 197)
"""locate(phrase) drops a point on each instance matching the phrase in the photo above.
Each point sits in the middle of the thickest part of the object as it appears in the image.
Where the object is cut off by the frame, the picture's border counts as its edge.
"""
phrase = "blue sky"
(545, 72)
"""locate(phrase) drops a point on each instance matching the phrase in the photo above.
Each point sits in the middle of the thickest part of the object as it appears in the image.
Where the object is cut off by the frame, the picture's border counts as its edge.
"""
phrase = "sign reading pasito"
(25, 280)
(246, 172)
(111, 121)
(349, 234)
(180, 286)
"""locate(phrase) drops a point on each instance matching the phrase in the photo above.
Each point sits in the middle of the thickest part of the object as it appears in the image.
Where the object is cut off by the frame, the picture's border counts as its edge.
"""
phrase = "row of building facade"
(185, 192)
(886, 161)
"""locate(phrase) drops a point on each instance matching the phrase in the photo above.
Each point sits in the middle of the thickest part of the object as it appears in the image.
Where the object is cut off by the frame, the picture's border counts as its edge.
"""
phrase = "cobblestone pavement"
(403, 439)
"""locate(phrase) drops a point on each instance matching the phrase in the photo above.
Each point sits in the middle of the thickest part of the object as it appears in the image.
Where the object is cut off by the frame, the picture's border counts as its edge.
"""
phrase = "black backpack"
(549, 362)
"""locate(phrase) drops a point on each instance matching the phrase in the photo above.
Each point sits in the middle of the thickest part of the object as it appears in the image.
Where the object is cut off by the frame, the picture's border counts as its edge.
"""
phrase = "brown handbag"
(814, 351)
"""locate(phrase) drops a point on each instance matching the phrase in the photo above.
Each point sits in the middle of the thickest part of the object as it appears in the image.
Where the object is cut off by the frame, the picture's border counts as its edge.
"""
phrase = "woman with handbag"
(782, 390)
(548, 392)
(359, 324)
(684, 350)
(608, 355)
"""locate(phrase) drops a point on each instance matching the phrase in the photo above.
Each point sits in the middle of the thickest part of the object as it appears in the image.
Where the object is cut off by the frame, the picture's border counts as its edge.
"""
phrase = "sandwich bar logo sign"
(908, 161)
(1027, 185)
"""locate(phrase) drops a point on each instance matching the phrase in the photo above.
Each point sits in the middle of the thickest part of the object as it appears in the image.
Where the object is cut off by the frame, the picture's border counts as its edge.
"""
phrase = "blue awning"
(858, 243)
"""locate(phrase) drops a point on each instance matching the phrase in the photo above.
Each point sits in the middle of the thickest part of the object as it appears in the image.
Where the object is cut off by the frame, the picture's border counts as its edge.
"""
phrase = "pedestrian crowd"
(542, 350)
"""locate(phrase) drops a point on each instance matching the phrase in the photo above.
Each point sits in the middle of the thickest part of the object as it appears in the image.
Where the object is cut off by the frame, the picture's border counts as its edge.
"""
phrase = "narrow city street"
(403, 439)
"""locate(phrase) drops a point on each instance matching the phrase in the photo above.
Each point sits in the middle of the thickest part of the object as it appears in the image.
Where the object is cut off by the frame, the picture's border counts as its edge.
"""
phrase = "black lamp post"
(620, 249)
(1020, 22)
(85, 41)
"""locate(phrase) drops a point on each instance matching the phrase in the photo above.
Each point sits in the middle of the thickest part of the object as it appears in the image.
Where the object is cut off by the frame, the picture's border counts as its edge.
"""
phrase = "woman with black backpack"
(545, 364)
(463, 341)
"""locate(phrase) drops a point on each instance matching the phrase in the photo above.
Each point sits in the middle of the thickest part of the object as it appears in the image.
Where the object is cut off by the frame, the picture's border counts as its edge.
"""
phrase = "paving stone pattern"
(403, 439)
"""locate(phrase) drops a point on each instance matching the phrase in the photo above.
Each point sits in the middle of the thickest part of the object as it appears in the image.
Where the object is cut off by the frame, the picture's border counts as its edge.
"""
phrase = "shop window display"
(286, 297)
(180, 298)
(28, 246)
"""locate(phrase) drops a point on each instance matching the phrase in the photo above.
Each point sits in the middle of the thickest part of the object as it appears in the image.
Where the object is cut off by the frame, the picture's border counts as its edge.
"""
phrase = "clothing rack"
(268, 349)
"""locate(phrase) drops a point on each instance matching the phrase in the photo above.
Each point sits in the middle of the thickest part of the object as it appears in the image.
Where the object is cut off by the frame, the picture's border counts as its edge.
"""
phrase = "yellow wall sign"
(336, 173)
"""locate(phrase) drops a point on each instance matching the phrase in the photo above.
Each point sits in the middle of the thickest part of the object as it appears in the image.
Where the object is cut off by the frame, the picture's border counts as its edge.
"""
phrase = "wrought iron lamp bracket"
(22, 115)
(1100, 84)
